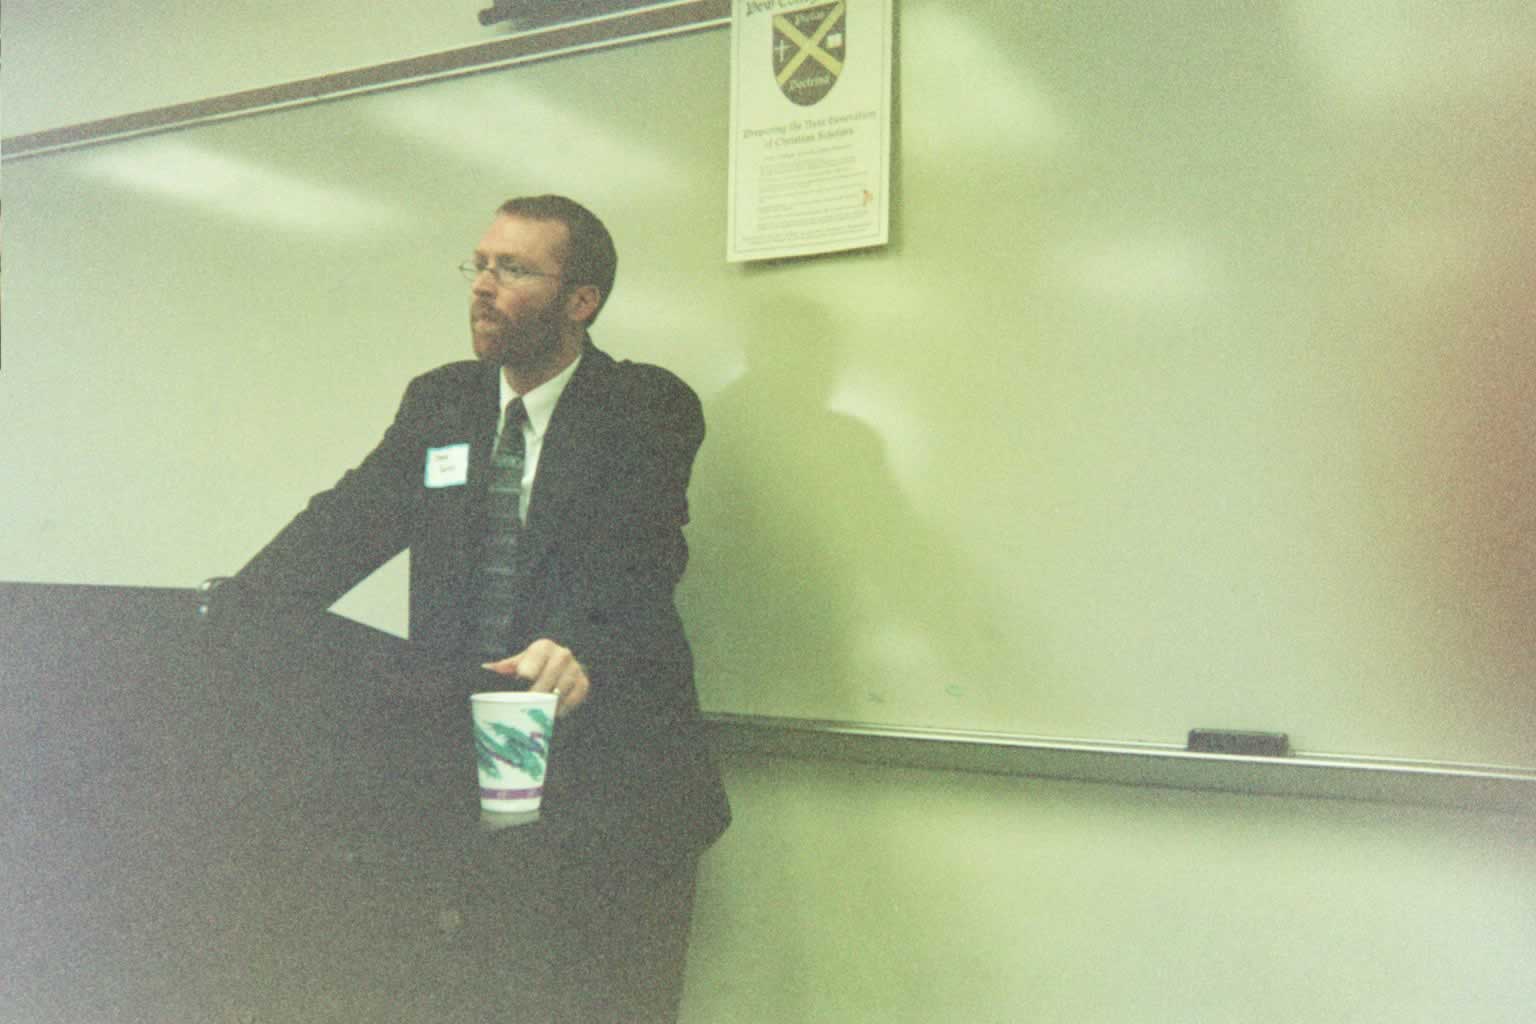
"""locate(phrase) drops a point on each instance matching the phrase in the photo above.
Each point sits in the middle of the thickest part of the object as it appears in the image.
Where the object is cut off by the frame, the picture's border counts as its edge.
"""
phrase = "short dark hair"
(590, 257)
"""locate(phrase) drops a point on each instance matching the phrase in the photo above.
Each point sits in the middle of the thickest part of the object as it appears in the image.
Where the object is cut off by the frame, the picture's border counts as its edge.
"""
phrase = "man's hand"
(548, 668)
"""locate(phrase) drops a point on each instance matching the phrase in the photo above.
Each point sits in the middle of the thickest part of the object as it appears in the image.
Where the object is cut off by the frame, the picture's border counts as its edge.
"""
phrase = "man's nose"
(484, 283)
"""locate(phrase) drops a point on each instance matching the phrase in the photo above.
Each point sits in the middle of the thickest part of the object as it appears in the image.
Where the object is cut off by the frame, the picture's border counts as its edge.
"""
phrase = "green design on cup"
(497, 744)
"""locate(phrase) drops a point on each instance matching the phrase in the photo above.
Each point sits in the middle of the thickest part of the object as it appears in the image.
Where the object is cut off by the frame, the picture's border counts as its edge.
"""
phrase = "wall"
(1269, 466)
(73, 61)
(1192, 391)
(857, 893)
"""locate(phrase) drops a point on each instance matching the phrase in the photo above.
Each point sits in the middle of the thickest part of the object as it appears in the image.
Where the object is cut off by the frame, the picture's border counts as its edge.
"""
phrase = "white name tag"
(448, 466)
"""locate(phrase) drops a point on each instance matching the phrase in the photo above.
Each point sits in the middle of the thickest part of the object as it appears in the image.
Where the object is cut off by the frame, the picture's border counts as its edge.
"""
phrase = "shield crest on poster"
(810, 47)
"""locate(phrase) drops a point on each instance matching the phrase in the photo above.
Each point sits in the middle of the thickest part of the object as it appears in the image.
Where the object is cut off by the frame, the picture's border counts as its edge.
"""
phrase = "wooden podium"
(280, 829)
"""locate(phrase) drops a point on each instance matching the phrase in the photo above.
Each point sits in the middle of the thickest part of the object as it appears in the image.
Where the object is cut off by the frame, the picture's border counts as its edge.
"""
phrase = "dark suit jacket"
(604, 551)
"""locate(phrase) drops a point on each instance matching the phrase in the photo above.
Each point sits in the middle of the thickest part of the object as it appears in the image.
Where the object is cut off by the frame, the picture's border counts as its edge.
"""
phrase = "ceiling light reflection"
(1383, 50)
(528, 136)
(1010, 112)
(265, 196)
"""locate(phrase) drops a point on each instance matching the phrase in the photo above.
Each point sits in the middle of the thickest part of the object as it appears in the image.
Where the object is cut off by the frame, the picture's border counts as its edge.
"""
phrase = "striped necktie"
(498, 572)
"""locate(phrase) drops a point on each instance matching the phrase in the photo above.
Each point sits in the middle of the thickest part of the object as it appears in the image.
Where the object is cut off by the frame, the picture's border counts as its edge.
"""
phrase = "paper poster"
(810, 127)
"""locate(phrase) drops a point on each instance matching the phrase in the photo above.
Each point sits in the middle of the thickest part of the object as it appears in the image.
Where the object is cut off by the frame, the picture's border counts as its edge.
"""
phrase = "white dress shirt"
(539, 404)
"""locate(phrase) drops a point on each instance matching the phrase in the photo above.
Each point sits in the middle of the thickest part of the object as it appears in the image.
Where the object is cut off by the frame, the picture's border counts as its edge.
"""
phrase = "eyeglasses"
(507, 271)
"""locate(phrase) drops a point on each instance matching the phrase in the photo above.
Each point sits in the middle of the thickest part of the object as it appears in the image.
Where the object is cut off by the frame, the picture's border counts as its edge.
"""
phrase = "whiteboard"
(1195, 388)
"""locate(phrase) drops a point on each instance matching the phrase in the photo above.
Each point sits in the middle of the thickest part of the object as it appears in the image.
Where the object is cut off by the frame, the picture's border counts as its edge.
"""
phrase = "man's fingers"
(506, 667)
(571, 687)
(542, 664)
(548, 667)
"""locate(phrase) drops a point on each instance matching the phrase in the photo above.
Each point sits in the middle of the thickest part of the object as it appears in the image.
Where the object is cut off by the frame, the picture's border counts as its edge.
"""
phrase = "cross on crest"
(810, 46)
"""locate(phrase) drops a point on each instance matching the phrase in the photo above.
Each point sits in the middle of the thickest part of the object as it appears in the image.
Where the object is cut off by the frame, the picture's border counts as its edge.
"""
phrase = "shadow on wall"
(816, 589)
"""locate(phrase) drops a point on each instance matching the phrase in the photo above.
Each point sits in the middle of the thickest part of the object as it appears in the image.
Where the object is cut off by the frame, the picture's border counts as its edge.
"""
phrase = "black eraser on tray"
(1234, 741)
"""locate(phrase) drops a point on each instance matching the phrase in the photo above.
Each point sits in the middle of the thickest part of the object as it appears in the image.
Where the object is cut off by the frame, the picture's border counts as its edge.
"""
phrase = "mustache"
(481, 308)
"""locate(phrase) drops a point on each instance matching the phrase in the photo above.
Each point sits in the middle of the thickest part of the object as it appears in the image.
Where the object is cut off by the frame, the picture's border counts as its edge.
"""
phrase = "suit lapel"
(480, 411)
(483, 412)
(557, 487)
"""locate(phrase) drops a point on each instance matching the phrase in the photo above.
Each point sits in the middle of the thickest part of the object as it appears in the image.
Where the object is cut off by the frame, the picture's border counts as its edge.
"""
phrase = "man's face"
(516, 317)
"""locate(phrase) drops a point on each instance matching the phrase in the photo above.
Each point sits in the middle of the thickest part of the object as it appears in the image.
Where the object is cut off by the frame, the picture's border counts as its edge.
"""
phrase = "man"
(541, 491)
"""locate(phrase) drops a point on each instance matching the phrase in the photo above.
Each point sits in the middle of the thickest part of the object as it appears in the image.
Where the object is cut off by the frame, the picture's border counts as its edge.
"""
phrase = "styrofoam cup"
(512, 734)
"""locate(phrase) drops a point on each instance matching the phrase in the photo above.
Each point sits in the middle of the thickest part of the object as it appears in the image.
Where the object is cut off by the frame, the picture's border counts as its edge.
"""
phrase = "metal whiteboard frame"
(1445, 784)
(664, 20)
(1388, 780)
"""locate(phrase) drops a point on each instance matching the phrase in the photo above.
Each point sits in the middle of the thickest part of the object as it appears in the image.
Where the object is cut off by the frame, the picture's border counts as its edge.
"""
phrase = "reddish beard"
(508, 341)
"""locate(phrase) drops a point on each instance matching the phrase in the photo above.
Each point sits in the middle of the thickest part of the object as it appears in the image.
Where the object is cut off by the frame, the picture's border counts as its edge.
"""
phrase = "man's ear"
(581, 305)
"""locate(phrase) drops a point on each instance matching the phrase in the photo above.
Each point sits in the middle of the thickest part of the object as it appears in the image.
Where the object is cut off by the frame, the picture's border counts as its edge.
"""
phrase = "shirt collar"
(539, 403)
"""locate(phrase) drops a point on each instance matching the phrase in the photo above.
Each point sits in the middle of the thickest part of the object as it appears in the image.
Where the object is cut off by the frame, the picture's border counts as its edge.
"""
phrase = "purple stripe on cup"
(510, 794)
